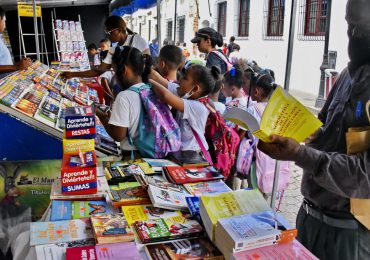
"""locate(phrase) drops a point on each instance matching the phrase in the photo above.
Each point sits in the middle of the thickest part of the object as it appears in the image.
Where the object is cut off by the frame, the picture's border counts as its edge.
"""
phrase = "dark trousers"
(330, 242)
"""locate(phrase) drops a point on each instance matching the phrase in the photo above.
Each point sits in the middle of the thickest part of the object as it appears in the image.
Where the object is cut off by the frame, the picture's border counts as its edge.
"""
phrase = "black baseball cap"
(205, 33)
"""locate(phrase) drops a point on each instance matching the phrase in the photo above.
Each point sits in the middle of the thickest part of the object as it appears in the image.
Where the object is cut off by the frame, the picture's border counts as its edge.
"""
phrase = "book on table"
(228, 204)
(164, 229)
(195, 248)
(167, 199)
(249, 231)
(283, 115)
(129, 196)
(60, 231)
(146, 212)
(206, 188)
(191, 174)
(111, 228)
(116, 251)
(188, 158)
(65, 210)
(289, 251)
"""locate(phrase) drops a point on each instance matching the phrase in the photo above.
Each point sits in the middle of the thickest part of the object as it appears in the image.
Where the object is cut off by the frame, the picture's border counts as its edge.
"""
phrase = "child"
(192, 115)
(131, 68)
(233, 81)
(262, 88)
(220, 107)
(169, 60)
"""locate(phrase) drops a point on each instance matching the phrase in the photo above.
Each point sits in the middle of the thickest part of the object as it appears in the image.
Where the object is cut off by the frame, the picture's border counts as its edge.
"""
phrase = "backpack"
(224, 59)
(159, 133)
(223, 140)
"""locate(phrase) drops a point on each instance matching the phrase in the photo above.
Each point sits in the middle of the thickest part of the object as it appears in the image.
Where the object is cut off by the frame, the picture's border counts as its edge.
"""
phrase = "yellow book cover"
(284, 116)
(75, 146)
(146, 212)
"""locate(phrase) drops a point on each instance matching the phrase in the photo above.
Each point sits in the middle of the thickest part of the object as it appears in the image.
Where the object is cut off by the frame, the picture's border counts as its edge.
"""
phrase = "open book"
(284, 116)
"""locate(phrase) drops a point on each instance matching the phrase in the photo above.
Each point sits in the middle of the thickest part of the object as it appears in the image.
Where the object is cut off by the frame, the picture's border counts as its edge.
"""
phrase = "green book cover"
(84, 209)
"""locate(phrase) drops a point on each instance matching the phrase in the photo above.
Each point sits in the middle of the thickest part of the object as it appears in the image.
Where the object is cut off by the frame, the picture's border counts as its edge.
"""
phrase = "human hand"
(312, 137)
(24, 63)
(67, 75)
(280, 148)
(154, 75)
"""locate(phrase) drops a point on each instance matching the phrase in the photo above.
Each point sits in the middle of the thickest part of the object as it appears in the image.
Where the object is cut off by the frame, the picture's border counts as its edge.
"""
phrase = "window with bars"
(181, 28)
(275, 19)
(312, 20)
(244, 12)
(315, 20)
(169, 30)
(221, 26)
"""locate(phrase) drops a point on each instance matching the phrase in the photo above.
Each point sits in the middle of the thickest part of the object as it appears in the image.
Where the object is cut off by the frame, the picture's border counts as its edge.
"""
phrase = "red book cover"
(80, 123)
(190, 174)
(81, 253)
(78, 180)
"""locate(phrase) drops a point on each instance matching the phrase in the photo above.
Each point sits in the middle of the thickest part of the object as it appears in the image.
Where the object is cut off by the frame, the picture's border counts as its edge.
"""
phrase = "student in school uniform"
(169, 60)
(132, 69)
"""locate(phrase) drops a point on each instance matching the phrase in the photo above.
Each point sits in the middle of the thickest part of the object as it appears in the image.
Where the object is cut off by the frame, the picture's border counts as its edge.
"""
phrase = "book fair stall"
(68, 194)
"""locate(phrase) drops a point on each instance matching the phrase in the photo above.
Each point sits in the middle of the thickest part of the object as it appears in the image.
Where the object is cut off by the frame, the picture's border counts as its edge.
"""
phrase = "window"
(244, 18)
(181, 24)
(315, 21)
(275, 21)
(221, 27)
(169, 30)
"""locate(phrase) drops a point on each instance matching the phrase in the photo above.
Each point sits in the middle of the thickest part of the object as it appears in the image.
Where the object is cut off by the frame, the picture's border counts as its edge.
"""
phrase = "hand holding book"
(280, 148)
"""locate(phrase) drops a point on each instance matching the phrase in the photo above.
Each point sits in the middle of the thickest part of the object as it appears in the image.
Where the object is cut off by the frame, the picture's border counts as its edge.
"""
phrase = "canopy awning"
(127, 7)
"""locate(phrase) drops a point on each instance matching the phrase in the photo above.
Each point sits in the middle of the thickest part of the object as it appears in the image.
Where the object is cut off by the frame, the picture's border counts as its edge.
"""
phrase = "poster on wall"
(25, 187)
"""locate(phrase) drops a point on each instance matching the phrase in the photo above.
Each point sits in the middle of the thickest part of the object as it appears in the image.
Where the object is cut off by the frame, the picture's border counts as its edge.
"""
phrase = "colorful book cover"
(191, 174)
(253, 230)
(129, 196)
(81, 253)
(293, 250)
(114, 251)
(61, 210)
(196, 249)
(160, 229)
(206, 188)
(58, 250)
(167, 199)
(84, 209)
(194, 205)
(160, 182)
(111, 228)
(59, 231)
(146, 212)
(80, 122)
(158, 164)
(25, 186)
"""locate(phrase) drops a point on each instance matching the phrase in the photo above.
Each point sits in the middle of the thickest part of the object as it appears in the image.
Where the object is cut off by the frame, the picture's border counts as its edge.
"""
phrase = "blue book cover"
(61, 210)
(193, 205)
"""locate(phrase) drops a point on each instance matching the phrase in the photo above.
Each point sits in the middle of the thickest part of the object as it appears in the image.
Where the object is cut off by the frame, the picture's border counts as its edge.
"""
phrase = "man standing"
(331, 177)
(154, 48)
(6, 63)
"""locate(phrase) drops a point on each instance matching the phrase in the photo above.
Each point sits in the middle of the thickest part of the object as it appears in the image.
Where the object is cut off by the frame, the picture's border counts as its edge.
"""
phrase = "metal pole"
(159, 38)
(36, 30)
(174, 23)
(275, 185)
(320, 101)
(288, 67)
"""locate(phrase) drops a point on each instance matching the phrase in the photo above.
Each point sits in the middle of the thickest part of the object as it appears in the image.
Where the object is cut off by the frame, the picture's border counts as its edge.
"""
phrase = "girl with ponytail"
(131, 68)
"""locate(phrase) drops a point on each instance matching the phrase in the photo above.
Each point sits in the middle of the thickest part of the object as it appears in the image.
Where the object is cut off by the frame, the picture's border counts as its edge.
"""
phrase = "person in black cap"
(336, 170)
(206, 40)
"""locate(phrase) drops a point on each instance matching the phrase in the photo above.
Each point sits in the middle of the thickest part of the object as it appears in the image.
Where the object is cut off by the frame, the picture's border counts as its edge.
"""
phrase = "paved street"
(292, 198)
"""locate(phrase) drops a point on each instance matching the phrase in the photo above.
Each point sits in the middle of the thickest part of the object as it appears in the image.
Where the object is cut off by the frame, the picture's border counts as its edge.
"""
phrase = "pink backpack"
(159, 133)
(223, 140)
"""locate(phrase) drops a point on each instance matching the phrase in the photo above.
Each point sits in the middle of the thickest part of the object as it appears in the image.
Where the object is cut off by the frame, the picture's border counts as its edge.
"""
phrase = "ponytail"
(148, 63)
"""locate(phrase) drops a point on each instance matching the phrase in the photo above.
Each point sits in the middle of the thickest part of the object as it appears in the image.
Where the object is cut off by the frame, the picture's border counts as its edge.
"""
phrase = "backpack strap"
(137, 89)
(224, 58)
(202, 147)
(131, 40)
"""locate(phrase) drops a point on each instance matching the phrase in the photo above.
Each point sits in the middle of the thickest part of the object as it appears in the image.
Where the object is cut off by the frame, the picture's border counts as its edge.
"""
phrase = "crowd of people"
(331, 177)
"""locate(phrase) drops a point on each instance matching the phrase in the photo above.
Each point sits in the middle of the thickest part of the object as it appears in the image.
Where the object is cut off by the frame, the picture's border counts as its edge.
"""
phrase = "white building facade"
(261, 28)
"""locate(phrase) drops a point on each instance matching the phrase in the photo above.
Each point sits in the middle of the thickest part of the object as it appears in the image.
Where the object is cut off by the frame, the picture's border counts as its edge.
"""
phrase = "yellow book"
(229, 204)
(146, 212)
(284, 116)
(74, 146)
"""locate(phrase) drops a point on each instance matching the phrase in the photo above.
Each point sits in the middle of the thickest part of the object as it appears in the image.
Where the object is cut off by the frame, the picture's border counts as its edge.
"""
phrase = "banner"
(27, 10)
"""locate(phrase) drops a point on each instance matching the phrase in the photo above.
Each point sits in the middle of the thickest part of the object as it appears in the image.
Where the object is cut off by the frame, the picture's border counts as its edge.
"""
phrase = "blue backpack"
(159, 133)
